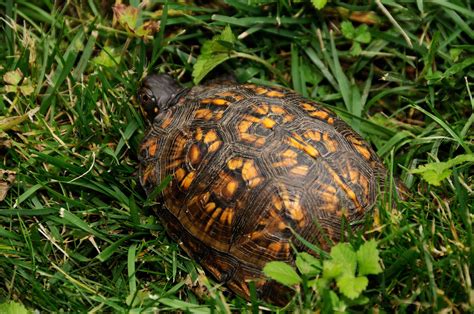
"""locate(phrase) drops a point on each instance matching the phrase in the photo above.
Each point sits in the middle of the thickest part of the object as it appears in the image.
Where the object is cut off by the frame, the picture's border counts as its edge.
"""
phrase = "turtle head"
(156, 93)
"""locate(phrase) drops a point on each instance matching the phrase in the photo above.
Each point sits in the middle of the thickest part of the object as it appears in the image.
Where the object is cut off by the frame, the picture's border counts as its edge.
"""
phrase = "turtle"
(251, 169)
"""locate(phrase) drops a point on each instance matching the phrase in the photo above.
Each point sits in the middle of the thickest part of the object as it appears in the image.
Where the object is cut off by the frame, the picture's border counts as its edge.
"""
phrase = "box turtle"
(251, 166)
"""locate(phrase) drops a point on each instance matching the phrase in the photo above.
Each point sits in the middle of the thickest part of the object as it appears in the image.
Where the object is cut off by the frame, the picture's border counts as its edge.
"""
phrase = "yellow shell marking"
(210, 136)
(220, 102)
(214, 146)
(218, 115)
(330, 144)
(319, 114)
(213, 218)
(275, 93)
(251, 118)
(278, 110)
(230, 188)
(308, 107)
(313, 135)
(227, 216)
(268, 123)
(204, 198)
(210, 207)
(179, 174)
(301, 170)
(277, 202)
(248, 137)
(188, 180)
(249, 171)
(261, 109)
(260, 142)
(363, 151)
(215, 101)
(198, 135)
(287, 162)
(244, 126)
(235, 97)
(275, 247)
(255, 182)
(289, 154)
(260, 90)
(235, 163)
(152, 146)
(194, 154)
(204, 113)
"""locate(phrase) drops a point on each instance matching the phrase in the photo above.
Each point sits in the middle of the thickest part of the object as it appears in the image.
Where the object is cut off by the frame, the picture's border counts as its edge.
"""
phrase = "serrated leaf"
(356, 49)
(352, 286)
(368, 259)
(11, 88)
(126, 16)
(13, 77)
(282, 272)
(319, 4)
(308, 264)
(344, 254)
(227, 35)
(11, 307)
(435, 172)
(332, 269)
(213, 53)
(27, 88)
(206, 64)
(363, 34)
(347, 30)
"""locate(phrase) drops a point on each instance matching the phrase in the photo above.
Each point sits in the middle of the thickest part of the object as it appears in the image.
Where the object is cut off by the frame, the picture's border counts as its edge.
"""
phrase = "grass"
(76, 232)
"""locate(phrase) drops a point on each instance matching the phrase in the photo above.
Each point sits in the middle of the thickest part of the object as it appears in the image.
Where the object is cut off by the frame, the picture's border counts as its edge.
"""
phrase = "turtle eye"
(148, 102)
(146, 97)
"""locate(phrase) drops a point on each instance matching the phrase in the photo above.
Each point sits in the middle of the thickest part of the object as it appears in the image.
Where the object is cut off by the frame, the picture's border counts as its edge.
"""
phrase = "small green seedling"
(359, 35)
(346, 269)
(435, 172)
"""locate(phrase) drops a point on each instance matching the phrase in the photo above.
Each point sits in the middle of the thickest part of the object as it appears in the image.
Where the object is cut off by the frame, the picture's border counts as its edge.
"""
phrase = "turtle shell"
(251, 166)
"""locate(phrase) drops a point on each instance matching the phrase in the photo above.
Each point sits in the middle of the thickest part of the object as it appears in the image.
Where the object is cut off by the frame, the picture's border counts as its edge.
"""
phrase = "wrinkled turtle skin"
(249, 164)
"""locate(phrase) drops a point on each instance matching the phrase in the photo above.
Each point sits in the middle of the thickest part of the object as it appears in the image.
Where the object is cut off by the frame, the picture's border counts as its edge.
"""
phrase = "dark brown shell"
(250, 163)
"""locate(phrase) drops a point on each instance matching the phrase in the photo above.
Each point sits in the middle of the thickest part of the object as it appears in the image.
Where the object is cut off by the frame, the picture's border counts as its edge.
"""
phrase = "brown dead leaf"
(7, 177)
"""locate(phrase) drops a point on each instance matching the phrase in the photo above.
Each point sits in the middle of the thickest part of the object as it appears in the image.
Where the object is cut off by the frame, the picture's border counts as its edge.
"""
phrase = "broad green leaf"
(362, 34)
(213, 53)
(352, 286)
(356, 49)
(282, 272)
(308, 264)
(206, 64)
(344, 254)
(368, 260)
(347, 30)
(332, 269)
(11, 307)
(13, 77)
(435, 172)
(127, 16)
(319, 4)
(26, 88)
